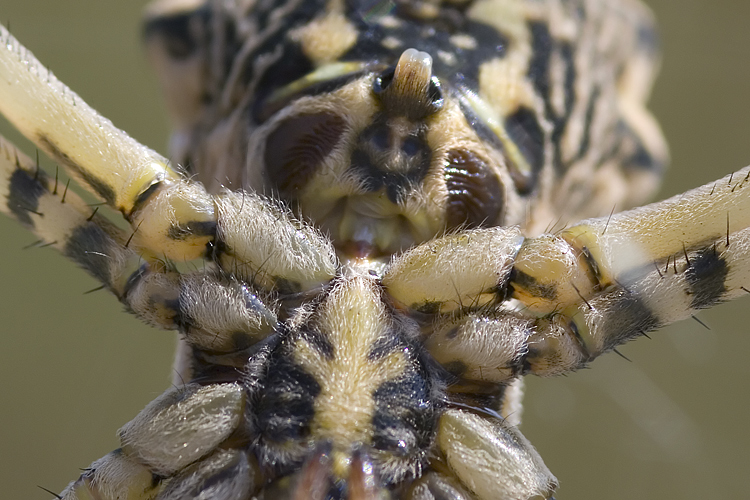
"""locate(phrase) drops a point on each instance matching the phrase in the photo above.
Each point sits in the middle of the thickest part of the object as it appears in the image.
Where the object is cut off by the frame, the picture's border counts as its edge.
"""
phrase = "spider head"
(385, 160)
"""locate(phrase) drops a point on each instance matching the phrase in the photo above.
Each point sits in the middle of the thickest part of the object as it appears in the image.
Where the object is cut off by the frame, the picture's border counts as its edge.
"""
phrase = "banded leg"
(168, 300)
(171, 216)
(552, 304)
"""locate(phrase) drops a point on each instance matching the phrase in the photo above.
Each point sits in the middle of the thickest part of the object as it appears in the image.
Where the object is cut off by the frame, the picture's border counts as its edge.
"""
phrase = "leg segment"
(551, 304)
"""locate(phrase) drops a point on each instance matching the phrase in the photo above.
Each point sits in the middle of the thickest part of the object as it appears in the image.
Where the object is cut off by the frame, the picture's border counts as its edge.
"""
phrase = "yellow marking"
(494, 121)
(390, 22)
(322, 74)
(116, 475)
(71, 132)
(473, 263)
(103, 158)
(508, 17)
(463, 41)
(503, 84)
(352, 319)
(649, 234)
(391, 42)
(327, 38)
(448, 58)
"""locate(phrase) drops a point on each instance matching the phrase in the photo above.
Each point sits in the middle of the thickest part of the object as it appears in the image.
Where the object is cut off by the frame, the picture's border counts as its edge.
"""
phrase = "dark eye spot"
(475, 194)
(435, 93)
(381, 138)
(383, 80)
(412, 146)
(296, 148)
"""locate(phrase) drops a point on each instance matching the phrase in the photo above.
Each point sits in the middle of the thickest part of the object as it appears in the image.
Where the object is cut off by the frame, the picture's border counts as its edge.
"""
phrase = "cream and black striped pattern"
(373, 281)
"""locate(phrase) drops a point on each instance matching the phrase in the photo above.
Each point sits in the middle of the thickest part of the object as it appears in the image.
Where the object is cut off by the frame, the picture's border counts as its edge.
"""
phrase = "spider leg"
(552, 304)
(214, 312)
(492, 457)
(218, 316)
(171, 216)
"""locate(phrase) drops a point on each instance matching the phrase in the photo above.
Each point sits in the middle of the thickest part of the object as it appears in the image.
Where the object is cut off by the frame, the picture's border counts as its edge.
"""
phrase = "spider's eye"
(297, 148)
(383, 80)
(435, 93)
(475, 194)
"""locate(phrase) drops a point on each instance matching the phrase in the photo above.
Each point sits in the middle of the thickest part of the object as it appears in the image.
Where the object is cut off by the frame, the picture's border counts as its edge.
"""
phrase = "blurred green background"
(673, 423)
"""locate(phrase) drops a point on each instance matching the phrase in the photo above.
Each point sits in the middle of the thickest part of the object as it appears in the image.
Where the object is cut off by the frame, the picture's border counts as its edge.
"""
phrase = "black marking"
(319, 342)
(265, 109)
(532, 285)
(24, 194)
(635, 154)
(456, 368)
(588, 121)
(384, 346)
(428, 307)
(93, 248)
(384, 159)
(706, 278)
(428, 35)
(286, 406)
(591, 263)
(145, 197)
(179, 33)
(452, 333)
(209, 481)
(480, 126)
(296, 149)
(242, 340)
(624, 316)
(404, 421)
(99, 187)
(524, 129)
(191, 229)
(476, 197)
(289, 62)
(524, 181)
(581, 342)
(381, 82)
(433, 486)
(543, 46)
(135, 278)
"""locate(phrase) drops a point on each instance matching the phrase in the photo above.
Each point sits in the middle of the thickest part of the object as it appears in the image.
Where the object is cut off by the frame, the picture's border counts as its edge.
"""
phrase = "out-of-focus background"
(670, 424)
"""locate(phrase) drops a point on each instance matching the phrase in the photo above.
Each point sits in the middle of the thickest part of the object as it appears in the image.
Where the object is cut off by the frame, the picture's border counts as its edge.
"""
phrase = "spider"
(567, 452)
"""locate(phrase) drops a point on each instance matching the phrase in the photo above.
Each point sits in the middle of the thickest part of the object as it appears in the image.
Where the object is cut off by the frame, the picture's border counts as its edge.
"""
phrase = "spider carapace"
(372, 189)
